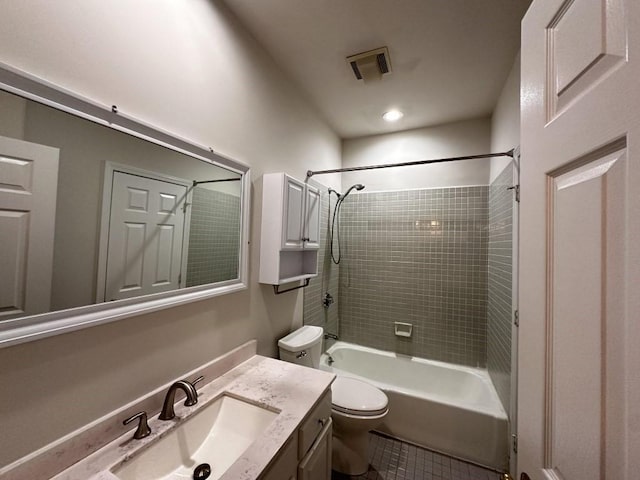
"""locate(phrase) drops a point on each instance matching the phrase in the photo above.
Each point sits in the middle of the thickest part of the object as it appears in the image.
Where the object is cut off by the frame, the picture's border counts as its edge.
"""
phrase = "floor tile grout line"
(390, 459)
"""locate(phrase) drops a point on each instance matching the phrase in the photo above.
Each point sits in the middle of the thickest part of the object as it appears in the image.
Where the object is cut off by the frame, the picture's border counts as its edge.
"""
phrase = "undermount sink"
(216, 435)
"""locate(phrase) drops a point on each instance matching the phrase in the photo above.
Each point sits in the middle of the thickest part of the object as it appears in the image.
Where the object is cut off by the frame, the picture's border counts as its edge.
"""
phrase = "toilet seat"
(355, 397)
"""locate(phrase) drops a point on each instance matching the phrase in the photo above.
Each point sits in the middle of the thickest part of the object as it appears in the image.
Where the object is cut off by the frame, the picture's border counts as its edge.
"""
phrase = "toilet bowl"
(357, 407)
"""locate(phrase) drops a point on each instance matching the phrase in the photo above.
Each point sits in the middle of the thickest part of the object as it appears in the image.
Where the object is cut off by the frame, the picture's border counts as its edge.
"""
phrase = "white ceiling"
(450, 58)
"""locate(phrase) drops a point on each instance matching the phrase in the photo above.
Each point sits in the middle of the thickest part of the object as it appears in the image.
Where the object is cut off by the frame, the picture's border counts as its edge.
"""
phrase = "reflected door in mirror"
(28, 185)
(146, 236)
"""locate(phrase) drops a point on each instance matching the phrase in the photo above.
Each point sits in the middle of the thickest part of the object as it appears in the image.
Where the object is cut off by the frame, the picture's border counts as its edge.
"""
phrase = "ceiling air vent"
(370, 65)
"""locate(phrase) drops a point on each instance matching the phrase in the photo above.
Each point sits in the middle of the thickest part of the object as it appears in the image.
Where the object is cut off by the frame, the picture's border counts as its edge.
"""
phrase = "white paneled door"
(28, 186)
(579, 292)
(146, 226)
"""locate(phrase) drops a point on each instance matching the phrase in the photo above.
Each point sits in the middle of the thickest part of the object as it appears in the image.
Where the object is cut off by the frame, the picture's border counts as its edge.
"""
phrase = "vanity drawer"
(313, 424)
(317, 463)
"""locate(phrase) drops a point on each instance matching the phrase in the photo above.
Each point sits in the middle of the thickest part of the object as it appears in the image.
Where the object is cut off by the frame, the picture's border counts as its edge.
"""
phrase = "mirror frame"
(34, 327)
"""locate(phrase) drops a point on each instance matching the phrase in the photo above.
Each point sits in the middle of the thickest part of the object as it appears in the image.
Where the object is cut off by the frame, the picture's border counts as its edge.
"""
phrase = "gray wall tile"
(439, 259)
(417, 256)
(499, 309)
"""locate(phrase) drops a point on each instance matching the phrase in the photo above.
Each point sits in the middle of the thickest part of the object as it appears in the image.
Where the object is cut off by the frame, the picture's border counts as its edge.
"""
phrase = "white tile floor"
(391, 459)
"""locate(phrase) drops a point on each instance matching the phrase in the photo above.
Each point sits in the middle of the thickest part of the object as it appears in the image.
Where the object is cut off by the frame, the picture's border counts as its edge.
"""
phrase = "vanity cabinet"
(307, 453)
(285, 466)
(290, 235)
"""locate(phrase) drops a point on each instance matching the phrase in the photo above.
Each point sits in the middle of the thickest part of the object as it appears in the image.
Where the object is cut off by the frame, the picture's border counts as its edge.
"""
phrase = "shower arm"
(311, 173)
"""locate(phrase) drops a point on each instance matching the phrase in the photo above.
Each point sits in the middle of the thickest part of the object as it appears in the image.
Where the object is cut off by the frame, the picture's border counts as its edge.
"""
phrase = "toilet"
(357, 406)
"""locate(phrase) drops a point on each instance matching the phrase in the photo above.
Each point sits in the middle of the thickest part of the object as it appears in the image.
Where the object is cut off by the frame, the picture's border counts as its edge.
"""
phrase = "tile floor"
(391, 459)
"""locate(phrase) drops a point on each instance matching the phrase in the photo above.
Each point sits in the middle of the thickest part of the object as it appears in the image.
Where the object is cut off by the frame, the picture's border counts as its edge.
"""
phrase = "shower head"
(357, 186)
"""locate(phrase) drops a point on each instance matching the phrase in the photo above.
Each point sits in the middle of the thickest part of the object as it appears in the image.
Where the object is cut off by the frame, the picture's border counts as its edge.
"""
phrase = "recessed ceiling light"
(392, 115)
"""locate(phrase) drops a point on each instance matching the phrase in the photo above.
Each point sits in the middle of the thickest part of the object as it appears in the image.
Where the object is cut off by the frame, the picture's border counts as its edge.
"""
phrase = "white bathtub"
(445, 407)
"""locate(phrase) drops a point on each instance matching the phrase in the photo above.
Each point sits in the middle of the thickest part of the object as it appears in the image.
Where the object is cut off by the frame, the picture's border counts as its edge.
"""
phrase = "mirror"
(110, 217)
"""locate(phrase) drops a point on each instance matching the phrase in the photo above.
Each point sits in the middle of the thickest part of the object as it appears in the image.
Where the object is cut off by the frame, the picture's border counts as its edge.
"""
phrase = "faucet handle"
(197, 380)
(143, 429)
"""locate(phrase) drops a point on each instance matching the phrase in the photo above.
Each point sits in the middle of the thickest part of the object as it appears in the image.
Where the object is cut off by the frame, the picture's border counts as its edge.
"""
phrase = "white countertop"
(288, 388)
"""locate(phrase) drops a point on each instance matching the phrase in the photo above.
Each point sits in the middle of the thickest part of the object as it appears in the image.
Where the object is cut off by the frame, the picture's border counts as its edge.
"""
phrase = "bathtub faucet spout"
(330, 360)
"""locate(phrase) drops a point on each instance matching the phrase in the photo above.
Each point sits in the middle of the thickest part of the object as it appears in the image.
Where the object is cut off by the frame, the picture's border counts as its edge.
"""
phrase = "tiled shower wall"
(499, 316)
(327, 279)
(417, 256)
(214, 237)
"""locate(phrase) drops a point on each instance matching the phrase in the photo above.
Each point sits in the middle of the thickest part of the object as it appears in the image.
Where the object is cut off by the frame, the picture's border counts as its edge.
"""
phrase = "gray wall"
(13, 110)
(499, 311)
(222, 90)
(505, 135)
(214, 237)
(505, 121)
(417, 256)
(468, 137)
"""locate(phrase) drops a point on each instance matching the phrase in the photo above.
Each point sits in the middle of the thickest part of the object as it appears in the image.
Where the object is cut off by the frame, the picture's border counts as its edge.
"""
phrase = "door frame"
(110, 169)
(515, 245)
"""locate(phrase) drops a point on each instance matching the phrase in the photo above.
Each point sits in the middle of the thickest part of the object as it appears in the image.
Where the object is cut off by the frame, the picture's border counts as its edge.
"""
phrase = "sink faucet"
(190, 391)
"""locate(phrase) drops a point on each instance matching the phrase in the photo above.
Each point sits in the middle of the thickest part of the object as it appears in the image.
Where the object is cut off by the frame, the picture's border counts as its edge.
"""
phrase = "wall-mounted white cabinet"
(290, 235)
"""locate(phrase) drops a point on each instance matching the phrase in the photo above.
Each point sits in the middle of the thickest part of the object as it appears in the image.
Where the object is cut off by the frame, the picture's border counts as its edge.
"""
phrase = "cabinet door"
(312, 217)
(293, 214)
(285, 466)
(314, 424)
(316, 465)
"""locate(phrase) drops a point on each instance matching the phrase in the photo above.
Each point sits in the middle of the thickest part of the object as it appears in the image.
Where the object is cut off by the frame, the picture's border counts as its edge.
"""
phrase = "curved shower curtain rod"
(311, 173)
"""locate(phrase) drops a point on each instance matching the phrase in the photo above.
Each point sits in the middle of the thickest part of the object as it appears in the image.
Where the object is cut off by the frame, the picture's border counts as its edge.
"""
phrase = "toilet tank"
(302, 346)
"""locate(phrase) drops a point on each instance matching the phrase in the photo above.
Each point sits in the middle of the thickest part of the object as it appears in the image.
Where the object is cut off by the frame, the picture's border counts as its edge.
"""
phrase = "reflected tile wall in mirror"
(214, 239)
